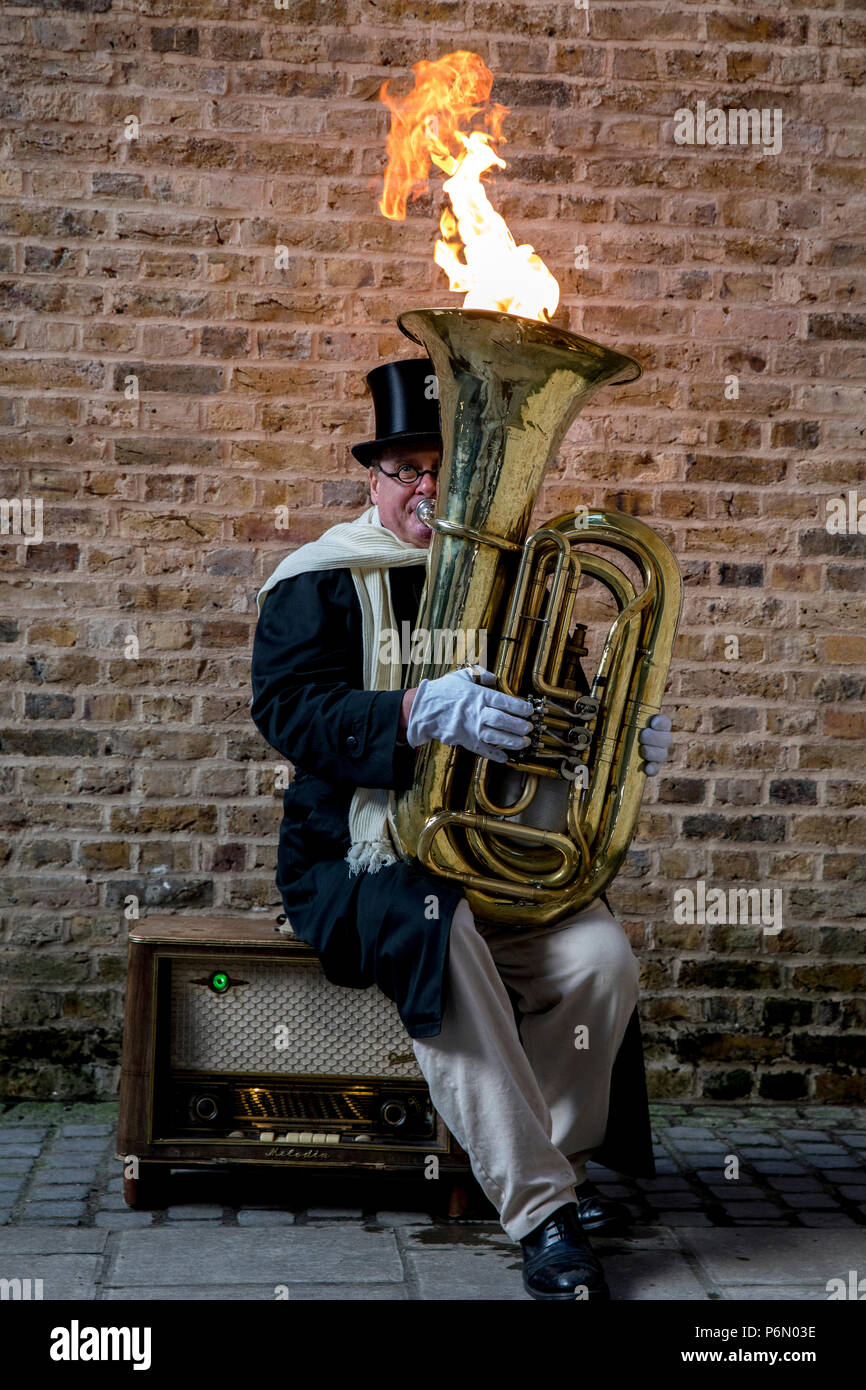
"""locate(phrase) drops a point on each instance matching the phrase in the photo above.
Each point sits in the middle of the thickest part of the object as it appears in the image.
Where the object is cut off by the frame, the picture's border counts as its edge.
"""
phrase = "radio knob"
(205, 1108)
(393, 1113)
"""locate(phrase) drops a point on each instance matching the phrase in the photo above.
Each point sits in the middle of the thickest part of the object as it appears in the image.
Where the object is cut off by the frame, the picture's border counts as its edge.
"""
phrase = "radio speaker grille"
(284, 1019)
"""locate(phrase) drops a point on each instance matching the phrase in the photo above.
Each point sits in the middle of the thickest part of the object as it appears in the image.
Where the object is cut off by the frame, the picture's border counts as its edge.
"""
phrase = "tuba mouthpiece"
(425, 511)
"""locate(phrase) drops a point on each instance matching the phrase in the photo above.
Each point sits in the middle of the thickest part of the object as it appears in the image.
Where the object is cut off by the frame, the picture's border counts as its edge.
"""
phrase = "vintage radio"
(237, 1049)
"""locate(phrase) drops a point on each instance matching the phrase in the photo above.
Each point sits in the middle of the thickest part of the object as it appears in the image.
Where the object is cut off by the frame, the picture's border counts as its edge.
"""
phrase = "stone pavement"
(789, 1217)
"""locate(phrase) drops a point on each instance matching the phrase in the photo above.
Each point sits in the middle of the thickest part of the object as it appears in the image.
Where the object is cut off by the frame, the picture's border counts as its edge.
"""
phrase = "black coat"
(310, 705)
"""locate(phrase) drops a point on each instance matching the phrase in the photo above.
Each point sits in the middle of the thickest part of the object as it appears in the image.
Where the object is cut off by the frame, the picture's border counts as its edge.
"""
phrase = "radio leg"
(459, 1200)
(148, 1189)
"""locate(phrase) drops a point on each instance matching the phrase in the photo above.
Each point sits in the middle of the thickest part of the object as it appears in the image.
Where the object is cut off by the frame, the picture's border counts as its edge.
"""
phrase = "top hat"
(406, 405)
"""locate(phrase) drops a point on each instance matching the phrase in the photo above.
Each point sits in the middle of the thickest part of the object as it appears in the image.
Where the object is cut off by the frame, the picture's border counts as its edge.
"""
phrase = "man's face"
(397, 501)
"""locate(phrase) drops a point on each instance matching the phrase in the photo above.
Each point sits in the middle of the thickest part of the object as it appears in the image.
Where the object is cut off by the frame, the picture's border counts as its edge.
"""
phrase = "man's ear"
(374, 484)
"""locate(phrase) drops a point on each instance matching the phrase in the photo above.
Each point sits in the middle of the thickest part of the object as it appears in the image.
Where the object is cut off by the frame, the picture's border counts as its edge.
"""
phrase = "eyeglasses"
(407, 473)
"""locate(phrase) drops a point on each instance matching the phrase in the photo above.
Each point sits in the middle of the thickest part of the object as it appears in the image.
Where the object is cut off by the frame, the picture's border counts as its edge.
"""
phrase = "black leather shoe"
(599, 1213)
(558, 1261)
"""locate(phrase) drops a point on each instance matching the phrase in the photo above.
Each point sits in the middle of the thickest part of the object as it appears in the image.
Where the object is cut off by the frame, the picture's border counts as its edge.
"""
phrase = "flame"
(431, 124)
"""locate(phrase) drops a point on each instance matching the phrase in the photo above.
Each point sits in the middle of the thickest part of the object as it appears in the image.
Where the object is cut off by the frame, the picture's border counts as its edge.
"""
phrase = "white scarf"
(367, 549)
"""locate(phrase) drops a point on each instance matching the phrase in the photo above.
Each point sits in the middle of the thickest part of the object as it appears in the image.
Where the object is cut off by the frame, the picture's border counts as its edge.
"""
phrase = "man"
(495, 1014)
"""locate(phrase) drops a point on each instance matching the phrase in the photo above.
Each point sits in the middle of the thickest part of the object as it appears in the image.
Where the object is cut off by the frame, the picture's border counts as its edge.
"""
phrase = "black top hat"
(406, 404)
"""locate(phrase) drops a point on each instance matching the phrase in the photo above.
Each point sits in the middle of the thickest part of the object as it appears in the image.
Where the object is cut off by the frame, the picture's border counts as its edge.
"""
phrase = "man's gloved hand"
(654, 742)
(456, 710)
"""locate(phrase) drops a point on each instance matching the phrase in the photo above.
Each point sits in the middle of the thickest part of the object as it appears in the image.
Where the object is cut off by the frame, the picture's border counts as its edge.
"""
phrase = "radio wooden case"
(238, 1050)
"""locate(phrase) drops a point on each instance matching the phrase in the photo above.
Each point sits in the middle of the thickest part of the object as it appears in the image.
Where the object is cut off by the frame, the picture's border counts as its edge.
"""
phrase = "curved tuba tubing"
(537, 838)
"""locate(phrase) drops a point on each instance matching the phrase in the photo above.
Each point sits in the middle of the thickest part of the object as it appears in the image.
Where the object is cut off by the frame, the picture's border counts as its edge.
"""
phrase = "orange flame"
(430, 125)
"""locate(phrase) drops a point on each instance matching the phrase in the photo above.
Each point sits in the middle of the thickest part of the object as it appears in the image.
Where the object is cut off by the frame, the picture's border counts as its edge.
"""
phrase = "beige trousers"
(529, 1101)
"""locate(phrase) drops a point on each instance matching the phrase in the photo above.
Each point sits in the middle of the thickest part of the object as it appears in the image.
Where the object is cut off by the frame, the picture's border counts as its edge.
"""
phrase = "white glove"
(654, 742)
(454, 710)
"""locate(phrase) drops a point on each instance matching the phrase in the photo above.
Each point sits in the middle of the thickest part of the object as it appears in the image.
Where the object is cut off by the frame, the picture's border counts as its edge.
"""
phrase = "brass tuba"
(537, 838)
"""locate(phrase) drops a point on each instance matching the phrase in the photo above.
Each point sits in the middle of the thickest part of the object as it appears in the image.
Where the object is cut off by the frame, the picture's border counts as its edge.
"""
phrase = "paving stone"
(685, 1218)
(335, 1214)
(57, 1157)
(55, 1160)
(12, 1184)
(56, 1192)
(468, 1273)
(734, 1256)
(690, 1132)
(749, 1154)
(70, 1277)
(762, 1223)
(856, 1191)
(855, 1137)
(194, 1212)
(266, 1218)
(673, 1201)
(751, 1136)
(631, 1275)
(833, 1162)
(113, 1201)
(748, 1129)
(21, 1134)
(737, 1193)
(820, 1148)
(340, 1254)
(78, 1131)
(11, 1167)
(664, 1180)
(830, 1219)
(812, 1201)
(250, 1293)
(772, 1293)
(15, 1150)
(60, 1176)
(122, 1220)
(64, 1213)
(784, 1170)
(649, 1236)
(404, 1218)
(86, 1148)
(691, 1147)
(797, 1184)
(669, 1183)
(346, 1293)
(807, 1135)
(72, 1241)
(754, 1210)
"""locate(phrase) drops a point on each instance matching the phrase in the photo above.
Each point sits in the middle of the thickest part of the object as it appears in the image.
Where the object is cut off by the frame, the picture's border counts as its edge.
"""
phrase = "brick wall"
(153, 257)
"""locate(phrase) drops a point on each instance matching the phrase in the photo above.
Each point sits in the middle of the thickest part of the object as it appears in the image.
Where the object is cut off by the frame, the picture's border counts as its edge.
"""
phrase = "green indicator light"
(219, 981)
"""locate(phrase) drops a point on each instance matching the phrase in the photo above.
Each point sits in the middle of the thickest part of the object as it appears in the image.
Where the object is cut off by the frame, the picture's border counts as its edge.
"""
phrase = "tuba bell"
(536, 838)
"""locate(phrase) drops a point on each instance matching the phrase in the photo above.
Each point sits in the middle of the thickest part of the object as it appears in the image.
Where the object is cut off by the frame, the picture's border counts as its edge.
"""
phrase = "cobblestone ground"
(792, 1213)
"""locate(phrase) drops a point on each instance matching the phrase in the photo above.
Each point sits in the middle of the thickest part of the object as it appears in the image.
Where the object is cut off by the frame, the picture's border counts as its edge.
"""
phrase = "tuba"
(536, 838)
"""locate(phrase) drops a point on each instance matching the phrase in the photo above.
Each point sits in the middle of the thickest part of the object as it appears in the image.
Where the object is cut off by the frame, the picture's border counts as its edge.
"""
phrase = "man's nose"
(428, 484)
